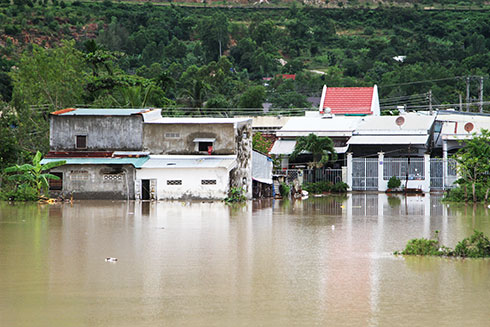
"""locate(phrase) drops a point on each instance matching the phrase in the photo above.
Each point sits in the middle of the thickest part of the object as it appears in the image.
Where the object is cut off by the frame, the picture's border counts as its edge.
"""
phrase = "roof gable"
(349, 100)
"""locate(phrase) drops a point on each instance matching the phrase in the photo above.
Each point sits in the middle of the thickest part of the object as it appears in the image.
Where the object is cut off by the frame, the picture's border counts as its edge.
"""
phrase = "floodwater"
(321, 261)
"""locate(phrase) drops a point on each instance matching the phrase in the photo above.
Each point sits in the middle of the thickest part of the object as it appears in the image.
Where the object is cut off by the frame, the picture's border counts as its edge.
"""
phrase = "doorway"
(145, 189)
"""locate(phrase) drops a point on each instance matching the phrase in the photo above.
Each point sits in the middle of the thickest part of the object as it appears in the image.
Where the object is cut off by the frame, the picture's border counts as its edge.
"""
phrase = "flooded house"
(195, 158)
(137, 154)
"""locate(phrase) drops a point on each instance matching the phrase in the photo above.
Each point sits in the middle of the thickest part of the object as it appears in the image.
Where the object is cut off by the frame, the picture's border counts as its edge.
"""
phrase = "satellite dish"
(469, 127)
(400, 121)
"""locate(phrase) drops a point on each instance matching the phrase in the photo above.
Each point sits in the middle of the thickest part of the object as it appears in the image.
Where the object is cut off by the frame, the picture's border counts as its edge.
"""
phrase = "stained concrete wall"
(97, 182)
(104, 133)
(179, 138)
(241, 176)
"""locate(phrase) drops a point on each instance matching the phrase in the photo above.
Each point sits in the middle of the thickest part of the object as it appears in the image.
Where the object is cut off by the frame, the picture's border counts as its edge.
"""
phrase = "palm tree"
(321, 148)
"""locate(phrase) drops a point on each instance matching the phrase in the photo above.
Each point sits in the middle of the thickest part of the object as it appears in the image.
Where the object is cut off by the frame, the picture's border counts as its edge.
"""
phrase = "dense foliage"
(473, 168)
(55, 54)
(475, 246)
(321, 187)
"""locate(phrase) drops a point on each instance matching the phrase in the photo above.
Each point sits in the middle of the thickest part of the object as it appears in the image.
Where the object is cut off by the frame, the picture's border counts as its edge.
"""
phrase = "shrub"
(475, 246)
(394, 182)
(236, 194)
(340, 187)
(284, 189)
(24, 192)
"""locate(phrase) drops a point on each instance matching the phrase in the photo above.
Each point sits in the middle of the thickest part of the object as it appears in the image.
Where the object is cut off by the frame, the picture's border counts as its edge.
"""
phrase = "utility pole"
(460, 102)
(430, 102)
(467, 94)
(481, 94)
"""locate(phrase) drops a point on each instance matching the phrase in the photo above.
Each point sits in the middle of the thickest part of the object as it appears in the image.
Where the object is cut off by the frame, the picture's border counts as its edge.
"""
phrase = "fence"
(311, 175)
(401, 168)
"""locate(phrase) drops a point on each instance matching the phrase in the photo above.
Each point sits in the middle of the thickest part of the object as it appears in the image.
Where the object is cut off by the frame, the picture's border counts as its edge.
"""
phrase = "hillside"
(125, 54)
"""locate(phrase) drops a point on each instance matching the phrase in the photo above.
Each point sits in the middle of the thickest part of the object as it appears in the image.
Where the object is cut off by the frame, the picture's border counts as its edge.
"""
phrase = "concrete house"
(137, 154)
(195, 158)
(102, 149)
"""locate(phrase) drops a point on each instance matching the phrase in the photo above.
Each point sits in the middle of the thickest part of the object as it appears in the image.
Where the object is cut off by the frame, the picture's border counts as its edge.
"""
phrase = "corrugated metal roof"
(178, 120)
(349, 100)
(175, 162)
(413, 123)
(98, 112)
(385, 139)
(335, 126)
(136, 162)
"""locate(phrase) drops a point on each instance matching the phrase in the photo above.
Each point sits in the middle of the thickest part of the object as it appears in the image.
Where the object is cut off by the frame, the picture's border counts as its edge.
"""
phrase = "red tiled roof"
(349, 100)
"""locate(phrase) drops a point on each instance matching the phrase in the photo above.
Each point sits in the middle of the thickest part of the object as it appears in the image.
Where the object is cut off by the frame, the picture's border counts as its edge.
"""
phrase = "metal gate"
(437, 181)
(364, 174)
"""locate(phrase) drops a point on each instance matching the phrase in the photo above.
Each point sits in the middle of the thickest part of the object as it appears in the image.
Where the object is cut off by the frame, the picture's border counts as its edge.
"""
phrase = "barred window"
(112, 177)
(79, 175)
(172, 135)
(208, 182)
(174, 182)
(81, 142)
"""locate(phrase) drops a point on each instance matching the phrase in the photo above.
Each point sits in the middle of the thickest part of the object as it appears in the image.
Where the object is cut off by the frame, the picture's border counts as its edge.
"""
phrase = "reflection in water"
(322, 261)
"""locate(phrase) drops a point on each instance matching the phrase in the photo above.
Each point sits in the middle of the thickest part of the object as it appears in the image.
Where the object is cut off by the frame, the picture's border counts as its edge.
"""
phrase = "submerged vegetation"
(30, 181)
(236, 194)
(325, 187)
(475, 246)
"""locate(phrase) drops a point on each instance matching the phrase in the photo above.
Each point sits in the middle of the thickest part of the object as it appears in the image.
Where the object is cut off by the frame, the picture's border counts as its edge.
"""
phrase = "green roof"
(136, 162)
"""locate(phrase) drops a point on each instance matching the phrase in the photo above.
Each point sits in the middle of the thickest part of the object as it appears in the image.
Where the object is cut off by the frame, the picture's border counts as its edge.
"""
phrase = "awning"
(283, 147)
(136, 162)
(388, 139)
(204, 140)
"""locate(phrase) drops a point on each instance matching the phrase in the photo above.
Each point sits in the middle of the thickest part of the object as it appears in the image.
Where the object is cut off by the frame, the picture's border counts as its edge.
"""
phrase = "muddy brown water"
(321, 261)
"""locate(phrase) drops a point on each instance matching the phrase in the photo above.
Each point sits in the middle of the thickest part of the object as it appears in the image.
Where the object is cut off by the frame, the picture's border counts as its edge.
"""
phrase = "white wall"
(191, 187)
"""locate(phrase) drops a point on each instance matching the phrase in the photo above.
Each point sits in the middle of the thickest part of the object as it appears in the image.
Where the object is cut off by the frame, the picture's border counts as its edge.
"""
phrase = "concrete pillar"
(444, 164)
(284, 162)
(381, 182)
(426, 185)
(349, 170)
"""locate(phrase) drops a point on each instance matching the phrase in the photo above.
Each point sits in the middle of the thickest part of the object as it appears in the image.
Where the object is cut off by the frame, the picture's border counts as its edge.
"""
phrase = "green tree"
(55, 77)
(321, 148)
(253, 97)
(474, 162)
(34, 174)
(214, 35)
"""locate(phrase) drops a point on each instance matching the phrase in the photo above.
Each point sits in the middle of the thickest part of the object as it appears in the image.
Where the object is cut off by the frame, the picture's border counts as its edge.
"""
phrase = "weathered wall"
(191, 178)
(97, 182)
(162, 139)
(104, 133)
(241, 176)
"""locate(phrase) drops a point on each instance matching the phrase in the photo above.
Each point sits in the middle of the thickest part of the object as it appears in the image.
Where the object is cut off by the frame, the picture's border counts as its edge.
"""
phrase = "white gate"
(364, 174)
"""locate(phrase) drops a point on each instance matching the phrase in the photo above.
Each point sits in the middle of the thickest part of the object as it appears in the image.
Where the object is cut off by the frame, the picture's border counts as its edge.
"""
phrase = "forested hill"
(57, 54)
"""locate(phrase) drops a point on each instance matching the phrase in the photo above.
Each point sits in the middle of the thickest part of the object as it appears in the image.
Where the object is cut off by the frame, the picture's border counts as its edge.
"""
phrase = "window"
(56, 184)
(204, 146)
(112, 177)
(172, 135)
(79, 175)
(208, 182)
(174, 182)
(81, 142)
